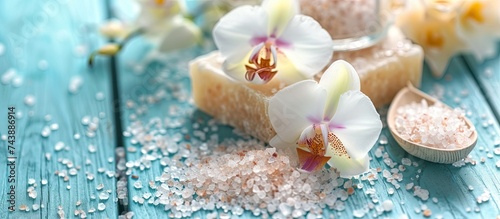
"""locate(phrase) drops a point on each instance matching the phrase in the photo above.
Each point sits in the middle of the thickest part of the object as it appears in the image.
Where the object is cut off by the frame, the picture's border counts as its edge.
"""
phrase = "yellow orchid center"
(312, 149)
(474, 12)
(316, 144)
(433, 37)
(262, 63)
(160, 2)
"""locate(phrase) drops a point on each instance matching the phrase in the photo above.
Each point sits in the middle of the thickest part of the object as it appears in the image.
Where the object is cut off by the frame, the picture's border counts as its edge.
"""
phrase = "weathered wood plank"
(47, 42)
(487, 74)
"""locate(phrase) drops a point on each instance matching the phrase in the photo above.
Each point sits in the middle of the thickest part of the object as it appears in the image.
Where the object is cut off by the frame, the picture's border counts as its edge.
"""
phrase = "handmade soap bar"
(383, 69)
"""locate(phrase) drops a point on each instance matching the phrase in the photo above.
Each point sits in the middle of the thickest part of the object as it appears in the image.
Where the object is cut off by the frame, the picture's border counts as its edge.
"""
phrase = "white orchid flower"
(259, 42)
(478, 24)
(447, 27)
(330, 121)
(163, 22)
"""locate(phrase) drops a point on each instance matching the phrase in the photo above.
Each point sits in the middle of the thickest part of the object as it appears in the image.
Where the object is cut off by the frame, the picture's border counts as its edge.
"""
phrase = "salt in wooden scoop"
(410, 95)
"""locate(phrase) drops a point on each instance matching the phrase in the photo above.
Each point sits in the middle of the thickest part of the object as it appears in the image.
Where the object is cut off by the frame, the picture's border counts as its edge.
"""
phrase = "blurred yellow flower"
(446, 27)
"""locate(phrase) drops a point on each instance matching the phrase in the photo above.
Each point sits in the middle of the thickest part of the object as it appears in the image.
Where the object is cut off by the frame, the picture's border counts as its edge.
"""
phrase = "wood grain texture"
(54, 38)
(487, 74)
(52, 30)
(449, 185)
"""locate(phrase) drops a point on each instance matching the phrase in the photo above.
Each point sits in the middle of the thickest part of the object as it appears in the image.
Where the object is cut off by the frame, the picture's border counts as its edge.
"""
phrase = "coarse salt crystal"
(434, 126)
(387, 205)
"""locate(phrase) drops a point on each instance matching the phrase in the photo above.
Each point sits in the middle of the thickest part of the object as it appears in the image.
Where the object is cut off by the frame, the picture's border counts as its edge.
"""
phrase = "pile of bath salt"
(435, 126)
(344, 19)
(261, 181)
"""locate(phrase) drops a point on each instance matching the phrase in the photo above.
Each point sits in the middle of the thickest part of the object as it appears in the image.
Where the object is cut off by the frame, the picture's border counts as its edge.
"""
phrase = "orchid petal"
(339, 78)
(477, 25)
(280, 13)
(287, 149)
(348, 167)
(307, 45)
(296, 107)
(234, 32)
(287, 71)
(356, 123)
(182, 33)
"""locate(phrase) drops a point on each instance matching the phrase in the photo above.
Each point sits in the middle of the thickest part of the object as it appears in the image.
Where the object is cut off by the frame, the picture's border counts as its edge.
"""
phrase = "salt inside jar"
(352, 24)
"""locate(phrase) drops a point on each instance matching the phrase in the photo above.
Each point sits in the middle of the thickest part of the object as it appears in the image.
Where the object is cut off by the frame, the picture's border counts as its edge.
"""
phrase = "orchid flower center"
(159, 2)
(474, 13)
(262, 62)
(313, 145)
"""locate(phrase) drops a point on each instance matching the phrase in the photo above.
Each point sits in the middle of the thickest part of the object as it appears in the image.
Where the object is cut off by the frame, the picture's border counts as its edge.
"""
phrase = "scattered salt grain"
(103, 196)
(54, 126)
(29, 100)
(101, 206)
(74, 84)
(59, 146)
(435, 126)
(390, 191)
(31, 181)
(483, 197)
(358, 213)
(8, 76)
(17, 81)
(387, 205)
(406, 161)
(138, 184)
(435, 200)
(24, 208)
(383, 140)
(92, 148)
(99, 96)
(45, 131)
(427, 213)
(32, 192)
(100, 186)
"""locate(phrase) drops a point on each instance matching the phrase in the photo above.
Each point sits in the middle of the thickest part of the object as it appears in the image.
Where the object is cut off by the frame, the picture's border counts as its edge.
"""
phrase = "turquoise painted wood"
(46, 42)
(452, 190)
(487, 74)
(162, 89)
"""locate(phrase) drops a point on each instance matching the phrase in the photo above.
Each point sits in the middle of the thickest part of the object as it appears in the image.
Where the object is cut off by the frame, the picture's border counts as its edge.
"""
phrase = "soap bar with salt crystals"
(383, 69)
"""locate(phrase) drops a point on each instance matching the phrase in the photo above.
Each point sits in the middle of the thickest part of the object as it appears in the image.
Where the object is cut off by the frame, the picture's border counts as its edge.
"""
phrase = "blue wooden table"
(76, 153)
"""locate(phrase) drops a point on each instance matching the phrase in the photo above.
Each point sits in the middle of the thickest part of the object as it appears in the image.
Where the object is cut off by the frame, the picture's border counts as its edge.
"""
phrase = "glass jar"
(352, 24)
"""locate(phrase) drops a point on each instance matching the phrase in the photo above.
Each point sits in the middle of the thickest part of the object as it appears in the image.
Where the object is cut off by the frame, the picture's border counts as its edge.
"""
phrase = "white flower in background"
(478, 24)
(447, 27)
(162, 22)
(211, 11)
(330, 121)
(259, 42)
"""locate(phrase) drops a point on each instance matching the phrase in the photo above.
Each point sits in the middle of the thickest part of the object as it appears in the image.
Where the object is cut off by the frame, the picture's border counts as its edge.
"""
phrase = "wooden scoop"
(411, 94)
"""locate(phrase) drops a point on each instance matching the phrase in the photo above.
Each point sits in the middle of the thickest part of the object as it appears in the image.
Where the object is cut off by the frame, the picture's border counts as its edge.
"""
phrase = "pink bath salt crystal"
(435, 126)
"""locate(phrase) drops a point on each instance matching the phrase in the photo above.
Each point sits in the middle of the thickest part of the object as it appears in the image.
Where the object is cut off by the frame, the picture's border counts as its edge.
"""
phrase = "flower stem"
(106, 52)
